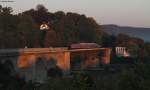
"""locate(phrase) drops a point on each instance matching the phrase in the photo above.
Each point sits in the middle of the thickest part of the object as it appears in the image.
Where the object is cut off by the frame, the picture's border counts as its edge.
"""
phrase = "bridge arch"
(40, 70)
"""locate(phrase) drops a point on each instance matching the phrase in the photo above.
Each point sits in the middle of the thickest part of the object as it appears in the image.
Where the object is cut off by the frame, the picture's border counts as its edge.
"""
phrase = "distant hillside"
(143, 33)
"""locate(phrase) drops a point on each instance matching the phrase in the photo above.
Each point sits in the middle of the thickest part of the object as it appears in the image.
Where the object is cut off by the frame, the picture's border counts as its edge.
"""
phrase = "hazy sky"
(121, 12)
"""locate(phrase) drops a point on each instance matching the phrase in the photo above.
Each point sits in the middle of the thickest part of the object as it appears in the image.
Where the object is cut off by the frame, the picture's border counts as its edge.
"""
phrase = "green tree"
(136, 78)
(26, 31)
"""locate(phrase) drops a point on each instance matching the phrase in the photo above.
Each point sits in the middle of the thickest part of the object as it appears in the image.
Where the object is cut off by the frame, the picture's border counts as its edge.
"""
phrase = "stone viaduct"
(32, 62)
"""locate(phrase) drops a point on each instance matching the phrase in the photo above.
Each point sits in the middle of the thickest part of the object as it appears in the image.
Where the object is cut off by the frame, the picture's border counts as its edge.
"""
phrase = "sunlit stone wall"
(33, 63)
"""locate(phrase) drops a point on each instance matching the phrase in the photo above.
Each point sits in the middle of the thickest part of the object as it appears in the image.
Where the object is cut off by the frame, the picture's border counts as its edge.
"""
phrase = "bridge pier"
(64, 62)
(106, 57)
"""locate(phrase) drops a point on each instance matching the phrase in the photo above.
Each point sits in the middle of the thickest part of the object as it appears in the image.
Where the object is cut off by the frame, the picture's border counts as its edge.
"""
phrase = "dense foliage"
(123, 77)
(17, 31)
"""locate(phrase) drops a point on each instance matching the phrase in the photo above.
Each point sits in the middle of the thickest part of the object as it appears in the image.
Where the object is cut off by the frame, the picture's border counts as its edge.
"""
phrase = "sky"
(121, 12)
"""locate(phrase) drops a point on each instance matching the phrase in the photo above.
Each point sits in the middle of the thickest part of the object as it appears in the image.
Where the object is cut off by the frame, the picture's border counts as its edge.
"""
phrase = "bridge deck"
(8, 52)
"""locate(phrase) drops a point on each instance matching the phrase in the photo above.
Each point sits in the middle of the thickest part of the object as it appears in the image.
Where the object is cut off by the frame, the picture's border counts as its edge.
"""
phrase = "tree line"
(20, 30)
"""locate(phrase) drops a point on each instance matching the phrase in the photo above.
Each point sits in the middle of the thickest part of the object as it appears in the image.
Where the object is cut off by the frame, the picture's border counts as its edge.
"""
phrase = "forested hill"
(23, 29)
(143, 33)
